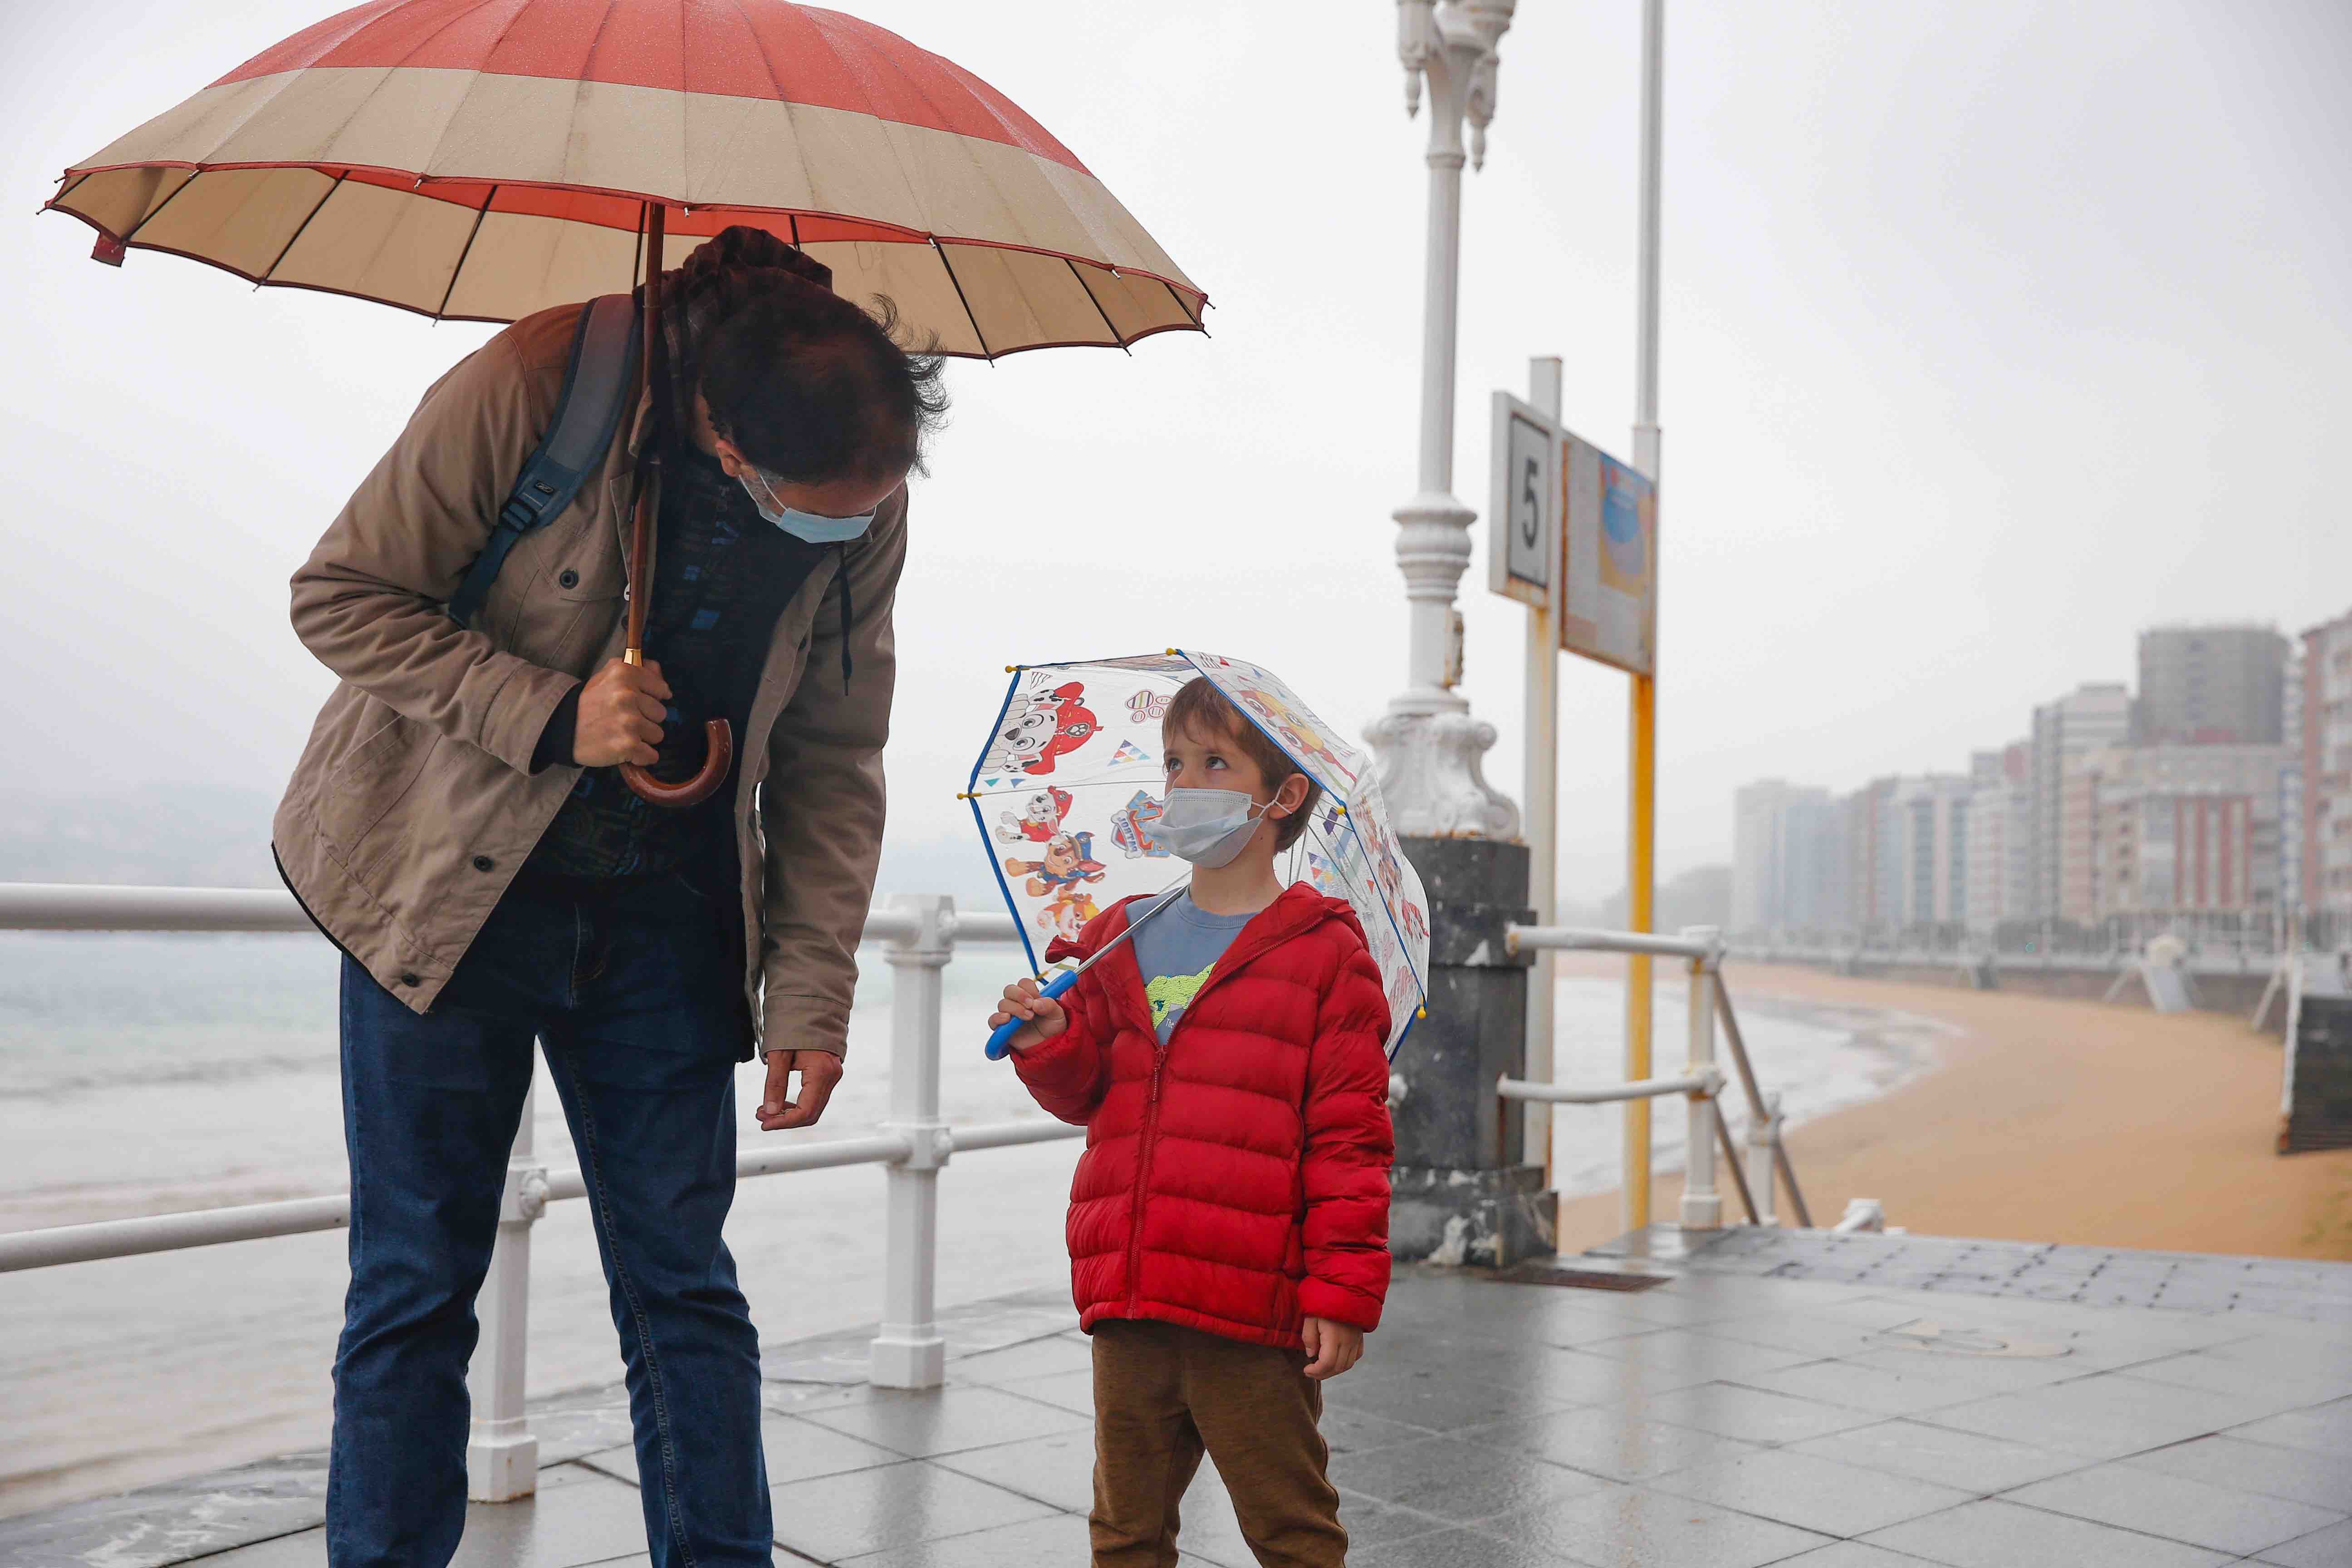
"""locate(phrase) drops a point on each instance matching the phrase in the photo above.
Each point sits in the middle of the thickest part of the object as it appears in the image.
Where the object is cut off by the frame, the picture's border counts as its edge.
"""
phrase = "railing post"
(909, 1351)
(1763, 1137)
(502, 1454)
(1702, 1206)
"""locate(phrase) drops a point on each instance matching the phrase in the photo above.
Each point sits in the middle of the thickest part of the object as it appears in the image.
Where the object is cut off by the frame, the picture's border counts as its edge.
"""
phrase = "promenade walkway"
(1832, 1401)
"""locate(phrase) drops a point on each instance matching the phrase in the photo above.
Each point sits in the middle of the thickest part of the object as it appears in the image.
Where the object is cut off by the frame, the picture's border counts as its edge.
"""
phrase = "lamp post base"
(1429, 752)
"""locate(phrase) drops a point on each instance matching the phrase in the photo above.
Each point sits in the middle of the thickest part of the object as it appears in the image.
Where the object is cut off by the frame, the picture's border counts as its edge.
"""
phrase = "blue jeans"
(639, 1004)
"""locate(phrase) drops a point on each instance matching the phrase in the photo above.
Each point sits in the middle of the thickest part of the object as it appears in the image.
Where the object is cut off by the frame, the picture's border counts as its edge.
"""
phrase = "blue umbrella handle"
(999, 1044)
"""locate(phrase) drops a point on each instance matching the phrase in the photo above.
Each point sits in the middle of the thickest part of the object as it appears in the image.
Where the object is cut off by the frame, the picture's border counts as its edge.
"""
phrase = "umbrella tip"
(110, 250)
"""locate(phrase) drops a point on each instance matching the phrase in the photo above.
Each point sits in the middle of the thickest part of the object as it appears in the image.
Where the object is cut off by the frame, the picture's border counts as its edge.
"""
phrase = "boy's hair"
(1200, 710)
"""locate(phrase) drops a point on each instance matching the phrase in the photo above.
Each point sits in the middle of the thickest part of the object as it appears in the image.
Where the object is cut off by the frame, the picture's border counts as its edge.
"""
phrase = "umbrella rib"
(287, 249)
(1198, 325)
(978, 336)
(149, 216)
(1098, 304)
(458, 271)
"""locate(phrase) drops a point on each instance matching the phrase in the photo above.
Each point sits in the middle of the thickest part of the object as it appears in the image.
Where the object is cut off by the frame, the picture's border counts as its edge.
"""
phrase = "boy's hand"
(1331, 1348)
(1045, 1016)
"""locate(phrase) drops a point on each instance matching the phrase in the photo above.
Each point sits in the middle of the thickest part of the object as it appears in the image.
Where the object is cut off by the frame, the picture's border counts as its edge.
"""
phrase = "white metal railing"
(1701, 1083)
(919, 936)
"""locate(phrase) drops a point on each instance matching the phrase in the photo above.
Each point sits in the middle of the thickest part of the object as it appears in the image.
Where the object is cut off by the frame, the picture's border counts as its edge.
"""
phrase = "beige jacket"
(413, 803)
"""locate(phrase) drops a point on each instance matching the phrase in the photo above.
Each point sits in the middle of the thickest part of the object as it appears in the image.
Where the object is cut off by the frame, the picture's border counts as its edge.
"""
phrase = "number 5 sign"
(1523, 520)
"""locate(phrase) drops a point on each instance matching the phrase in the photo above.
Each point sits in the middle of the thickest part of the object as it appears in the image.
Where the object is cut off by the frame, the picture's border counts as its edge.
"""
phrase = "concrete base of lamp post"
(1463, 1192)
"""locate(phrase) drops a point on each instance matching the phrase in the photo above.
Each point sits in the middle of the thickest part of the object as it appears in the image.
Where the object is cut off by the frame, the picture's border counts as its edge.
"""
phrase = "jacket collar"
(1297, 910)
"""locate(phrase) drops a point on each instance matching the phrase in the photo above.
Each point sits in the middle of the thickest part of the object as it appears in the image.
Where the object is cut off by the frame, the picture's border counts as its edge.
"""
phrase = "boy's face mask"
(802, 525)
(1207, 827)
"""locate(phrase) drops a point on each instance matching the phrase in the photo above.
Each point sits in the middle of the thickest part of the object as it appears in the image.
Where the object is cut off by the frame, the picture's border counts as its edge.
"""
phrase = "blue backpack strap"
(588, 412)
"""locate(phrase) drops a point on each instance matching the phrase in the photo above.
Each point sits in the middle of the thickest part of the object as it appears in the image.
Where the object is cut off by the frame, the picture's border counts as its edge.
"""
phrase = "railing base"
(908, 1361)
(502, 1466)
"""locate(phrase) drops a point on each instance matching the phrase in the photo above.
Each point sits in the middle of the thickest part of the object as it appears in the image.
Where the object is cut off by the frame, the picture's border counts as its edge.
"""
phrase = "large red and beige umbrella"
(481, 160)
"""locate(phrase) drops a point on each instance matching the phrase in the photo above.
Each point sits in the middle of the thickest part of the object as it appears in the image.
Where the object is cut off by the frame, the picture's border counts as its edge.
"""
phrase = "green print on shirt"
(1172, 993)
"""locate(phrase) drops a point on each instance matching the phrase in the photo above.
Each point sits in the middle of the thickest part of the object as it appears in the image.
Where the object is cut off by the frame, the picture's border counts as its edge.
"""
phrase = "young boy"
(1228, 1223)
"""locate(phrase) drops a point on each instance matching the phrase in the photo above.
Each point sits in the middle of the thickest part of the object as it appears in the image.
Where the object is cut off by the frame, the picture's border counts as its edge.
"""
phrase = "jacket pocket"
(366, 784)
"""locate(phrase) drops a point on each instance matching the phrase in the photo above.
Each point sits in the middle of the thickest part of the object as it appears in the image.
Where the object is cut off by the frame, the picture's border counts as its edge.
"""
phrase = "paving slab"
(2177, 1508)
(1996, 1534)
(1813, 1493)
(1632, 1527)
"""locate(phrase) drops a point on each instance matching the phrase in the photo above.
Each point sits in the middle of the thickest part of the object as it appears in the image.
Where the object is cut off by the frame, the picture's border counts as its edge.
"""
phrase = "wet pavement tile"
(1457, 1481)
(1968, 1460)
(2103, 1417)
(2329, 1547)
(307, 1549)
(1815, 1337)
(1030, 1358)
(937, 1422)
(1730, 1411)
(1631, 1527)
(2324, 1429)
(1351, 1431)
(2177, 1508)
(1457, 1548)
(1849, 1555)
(1997, 1534)
(898, 1505)
(1428, 1397)
(2228, 1369)
(1058, 1471)
(2324, 1480)
(1071, 1391)
(1871, 1388)
(1678, 1358)
(1031, 1544)
(1812, 1493)
(1604, 1443)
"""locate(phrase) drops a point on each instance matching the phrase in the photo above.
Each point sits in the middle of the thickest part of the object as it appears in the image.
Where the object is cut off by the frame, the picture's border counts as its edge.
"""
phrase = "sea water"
(146, 1074)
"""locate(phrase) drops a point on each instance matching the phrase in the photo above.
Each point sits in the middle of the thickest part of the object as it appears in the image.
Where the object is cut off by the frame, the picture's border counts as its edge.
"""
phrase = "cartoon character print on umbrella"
(1039, 727)
(1069, 913)
(1294, 731)
(1039, 818)
(1069, 861)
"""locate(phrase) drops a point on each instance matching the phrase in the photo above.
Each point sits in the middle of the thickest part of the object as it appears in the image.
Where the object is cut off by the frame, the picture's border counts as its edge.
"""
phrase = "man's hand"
(819, 1070)
(621, 711)
(1043, 1015)
(1331, 1348)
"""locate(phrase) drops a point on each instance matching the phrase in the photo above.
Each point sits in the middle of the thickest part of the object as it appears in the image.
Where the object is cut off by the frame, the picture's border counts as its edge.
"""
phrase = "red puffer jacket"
(1236, 1179)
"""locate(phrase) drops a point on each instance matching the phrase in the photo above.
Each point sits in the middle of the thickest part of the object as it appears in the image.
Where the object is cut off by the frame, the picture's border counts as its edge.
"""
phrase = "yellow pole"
(1640, 877)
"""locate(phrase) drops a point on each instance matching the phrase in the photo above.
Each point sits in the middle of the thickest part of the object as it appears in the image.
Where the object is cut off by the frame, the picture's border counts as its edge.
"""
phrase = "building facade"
(1787, 866)
(2089, 718)
(2158, 837)
(2000, 831)
(2205, 684)
(2325, 765)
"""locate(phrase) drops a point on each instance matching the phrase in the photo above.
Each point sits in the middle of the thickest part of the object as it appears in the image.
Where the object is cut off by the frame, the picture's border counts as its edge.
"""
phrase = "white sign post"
(1524, 563)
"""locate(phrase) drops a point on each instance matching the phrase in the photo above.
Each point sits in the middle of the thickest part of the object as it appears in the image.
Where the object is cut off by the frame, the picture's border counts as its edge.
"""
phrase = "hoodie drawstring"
(841, 574)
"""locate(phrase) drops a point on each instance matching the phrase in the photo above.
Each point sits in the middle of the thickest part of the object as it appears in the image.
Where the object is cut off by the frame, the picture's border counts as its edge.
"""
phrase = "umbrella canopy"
(1068, 785)
(481, 160)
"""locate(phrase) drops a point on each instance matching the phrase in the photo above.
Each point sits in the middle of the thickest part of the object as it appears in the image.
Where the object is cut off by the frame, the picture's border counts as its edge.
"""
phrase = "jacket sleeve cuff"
(519, 714)
(1322, 1298)
(802, 1023)
(558, 741)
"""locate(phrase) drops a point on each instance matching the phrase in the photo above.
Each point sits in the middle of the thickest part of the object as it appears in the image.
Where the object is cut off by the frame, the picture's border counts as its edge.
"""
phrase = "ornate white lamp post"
(1427, 746)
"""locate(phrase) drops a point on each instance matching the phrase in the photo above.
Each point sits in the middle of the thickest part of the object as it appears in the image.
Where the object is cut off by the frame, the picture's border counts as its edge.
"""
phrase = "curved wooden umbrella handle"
(718, 757)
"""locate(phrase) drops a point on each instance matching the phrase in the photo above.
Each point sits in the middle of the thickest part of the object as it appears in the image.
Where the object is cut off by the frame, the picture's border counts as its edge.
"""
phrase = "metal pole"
(502, 1454)
(909, 1351)
(1763, 1139)
(1541, 820)
(1640, 869)
(1702, 1208)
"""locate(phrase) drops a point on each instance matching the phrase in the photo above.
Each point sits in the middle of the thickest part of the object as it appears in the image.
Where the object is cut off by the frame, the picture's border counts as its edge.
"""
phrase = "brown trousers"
(1165, 1393)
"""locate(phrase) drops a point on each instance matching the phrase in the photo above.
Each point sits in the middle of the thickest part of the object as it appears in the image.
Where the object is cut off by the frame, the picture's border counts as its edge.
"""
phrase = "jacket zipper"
(1152, 1118)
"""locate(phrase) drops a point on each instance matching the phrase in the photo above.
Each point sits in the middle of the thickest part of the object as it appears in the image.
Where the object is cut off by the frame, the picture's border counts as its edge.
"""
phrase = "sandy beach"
(2058, 1120)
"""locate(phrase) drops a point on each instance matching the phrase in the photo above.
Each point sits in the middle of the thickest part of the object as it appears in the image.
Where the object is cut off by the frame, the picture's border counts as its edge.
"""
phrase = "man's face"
(849, 497)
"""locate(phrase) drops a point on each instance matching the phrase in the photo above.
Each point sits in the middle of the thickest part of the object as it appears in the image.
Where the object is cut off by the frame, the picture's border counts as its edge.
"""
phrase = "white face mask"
(1209, 828)
(801, 525)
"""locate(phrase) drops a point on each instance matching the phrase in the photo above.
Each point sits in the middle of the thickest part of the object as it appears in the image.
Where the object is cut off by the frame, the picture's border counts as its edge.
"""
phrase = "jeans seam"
(593, 1166)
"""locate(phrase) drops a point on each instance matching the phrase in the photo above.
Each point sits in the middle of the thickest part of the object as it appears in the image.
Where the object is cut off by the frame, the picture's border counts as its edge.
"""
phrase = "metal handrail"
(913, 1145)
(1701, 1084)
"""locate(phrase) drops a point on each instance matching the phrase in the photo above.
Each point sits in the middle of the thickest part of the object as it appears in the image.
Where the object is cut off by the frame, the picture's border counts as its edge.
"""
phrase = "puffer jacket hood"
(1235, 1180)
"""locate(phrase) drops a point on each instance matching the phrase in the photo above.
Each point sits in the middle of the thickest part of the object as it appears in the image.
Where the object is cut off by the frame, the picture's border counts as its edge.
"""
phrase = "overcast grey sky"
(1994, 331)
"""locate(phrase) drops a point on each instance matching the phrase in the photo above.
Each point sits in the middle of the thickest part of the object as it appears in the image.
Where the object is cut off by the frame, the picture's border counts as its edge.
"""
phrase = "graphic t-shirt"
(1177, 952)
